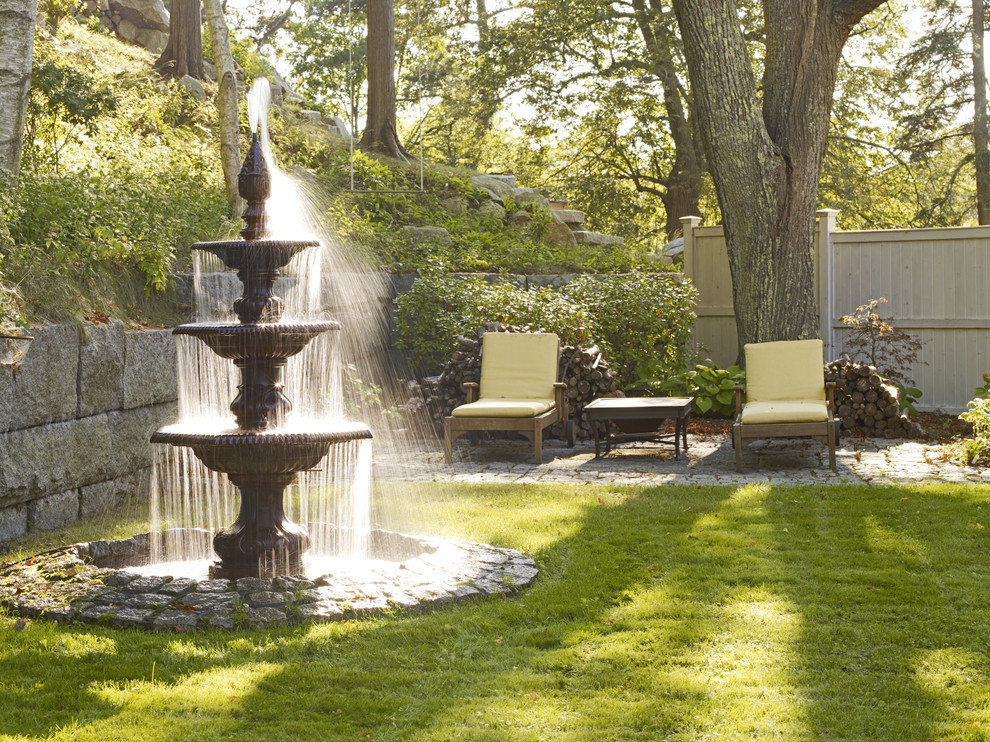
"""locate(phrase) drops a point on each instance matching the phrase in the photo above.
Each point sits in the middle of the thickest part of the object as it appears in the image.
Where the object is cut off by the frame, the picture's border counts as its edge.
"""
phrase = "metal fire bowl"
(273, 340)
(256, 255)
(234, 452)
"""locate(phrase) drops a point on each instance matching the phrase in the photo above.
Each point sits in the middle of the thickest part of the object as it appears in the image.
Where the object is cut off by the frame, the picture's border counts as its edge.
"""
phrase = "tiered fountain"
(156, 580)
(260, 456)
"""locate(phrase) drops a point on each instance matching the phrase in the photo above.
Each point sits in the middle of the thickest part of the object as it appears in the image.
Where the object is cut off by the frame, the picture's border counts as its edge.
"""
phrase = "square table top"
(641, 407)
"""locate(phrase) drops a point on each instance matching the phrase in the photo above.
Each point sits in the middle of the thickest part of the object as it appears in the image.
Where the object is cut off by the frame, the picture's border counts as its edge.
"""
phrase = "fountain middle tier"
(260, 351)
(241, 342)
(285, 450)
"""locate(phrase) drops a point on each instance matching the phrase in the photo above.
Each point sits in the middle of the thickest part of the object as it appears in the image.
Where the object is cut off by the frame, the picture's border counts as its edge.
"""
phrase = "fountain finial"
(254, 183)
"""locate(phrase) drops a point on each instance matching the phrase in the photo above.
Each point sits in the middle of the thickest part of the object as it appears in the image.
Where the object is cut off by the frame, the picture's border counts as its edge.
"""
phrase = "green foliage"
(976, 450)
(74, 228)
(56, 11)
(983, 392)
(245, 54)
(63, 102)
(711, 386)
(440, 306)
(120, 176)
(643, 321)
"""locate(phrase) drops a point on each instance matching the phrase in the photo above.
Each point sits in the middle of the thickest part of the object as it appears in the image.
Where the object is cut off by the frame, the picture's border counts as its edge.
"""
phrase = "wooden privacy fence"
(936, 282)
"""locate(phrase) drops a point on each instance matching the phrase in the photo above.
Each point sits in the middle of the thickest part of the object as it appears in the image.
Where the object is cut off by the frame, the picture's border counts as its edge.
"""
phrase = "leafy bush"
(983, 392)
(976, 450)
(440, 306)
(643, 322)
(711, 386)
(64, 102)
(877, 341)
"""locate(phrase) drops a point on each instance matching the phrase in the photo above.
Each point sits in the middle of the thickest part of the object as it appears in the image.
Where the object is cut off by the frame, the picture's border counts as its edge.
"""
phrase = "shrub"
(64, 102)
(642, 321)
(441, 306)
(976, 450)
(73, 232)
(711, 387)
(877, 341)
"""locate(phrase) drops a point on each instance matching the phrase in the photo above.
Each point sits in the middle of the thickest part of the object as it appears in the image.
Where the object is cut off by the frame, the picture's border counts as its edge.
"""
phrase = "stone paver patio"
(708, 462)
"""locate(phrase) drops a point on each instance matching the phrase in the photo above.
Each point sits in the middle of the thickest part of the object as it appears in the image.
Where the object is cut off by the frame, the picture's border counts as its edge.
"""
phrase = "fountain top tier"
(257, 259)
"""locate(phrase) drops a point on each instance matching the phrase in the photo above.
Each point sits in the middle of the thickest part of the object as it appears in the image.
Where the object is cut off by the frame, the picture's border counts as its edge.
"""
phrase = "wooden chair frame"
(824, 431)
(455, 427)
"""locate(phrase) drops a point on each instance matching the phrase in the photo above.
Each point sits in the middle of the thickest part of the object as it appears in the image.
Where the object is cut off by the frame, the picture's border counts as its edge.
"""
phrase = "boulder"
(286, 91)
(520, 219)
(454, 204)
(509, 180)
(571, 217)
(496, 186)
(153, 40)
(142, 13)
(337, 125)
(492, 197)
(560, 235)
(596, 238)
(550, 280)
(312, 117)
(526, 196)
(193, 86)
(428, 234)
(492, 207)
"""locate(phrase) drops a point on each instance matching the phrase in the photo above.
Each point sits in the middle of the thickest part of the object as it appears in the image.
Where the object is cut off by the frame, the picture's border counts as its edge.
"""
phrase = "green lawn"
(661, 613)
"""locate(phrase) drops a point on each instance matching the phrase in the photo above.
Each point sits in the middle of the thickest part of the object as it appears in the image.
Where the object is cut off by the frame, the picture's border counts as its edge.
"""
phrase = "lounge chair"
(786, 396)
(519, 390)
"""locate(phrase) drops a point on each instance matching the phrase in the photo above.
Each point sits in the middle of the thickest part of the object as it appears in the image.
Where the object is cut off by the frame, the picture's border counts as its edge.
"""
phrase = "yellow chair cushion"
(786, 370)
(486, 407)
(806, 411)
(518, 366)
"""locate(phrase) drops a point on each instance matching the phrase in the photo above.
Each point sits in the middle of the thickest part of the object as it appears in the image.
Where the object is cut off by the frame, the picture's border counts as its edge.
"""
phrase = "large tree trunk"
(379, 132)
(683, 183)
(766, 160)
(16, 50)
(981, 130)
(183, 54)
(230, 151)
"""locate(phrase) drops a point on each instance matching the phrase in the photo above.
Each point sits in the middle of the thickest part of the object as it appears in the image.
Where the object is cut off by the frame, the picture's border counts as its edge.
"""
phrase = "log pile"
(865, 404)
(584, 370)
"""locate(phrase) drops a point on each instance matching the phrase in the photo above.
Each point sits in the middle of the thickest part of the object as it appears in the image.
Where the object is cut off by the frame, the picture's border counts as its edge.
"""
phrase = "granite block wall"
(76, 416)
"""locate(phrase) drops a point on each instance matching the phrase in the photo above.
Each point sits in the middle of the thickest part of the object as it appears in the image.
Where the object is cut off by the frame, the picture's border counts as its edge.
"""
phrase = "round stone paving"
(109, 582)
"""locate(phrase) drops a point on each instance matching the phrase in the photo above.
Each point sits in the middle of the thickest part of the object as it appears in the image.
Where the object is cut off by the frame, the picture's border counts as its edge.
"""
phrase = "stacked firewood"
(865, 404)
(584, 370)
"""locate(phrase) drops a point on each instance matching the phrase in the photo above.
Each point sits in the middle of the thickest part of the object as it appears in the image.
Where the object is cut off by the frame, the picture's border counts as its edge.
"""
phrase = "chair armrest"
(830, 397)
(739, 395)
(471, 390)
(560, 399)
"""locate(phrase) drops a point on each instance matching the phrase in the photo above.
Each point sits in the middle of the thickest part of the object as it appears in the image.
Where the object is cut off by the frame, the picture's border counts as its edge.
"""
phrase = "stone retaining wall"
(75, 422)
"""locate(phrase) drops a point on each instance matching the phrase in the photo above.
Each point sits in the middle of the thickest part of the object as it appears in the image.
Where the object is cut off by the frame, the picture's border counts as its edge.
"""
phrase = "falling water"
(333, 502)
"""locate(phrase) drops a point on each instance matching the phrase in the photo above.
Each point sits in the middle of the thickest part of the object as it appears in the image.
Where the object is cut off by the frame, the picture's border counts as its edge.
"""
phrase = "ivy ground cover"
(855, 613)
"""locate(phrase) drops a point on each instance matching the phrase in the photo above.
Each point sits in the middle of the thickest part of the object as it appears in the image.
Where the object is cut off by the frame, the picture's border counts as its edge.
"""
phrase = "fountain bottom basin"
(113, 583)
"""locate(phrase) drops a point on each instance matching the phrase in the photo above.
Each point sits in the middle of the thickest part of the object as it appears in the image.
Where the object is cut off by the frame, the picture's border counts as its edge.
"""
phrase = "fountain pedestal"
(261, 456)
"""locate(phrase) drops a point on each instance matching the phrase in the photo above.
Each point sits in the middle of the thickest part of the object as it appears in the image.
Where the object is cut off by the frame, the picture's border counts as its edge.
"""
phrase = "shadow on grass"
(662, 613)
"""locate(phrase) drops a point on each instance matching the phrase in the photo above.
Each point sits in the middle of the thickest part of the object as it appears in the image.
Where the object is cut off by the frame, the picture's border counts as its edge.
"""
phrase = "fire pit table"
(639, 418)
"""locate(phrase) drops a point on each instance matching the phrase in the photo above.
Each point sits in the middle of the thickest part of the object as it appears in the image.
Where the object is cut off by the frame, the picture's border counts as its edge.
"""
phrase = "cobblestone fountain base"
(108, 583)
